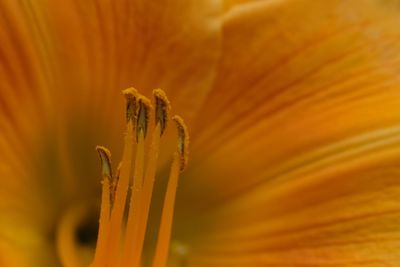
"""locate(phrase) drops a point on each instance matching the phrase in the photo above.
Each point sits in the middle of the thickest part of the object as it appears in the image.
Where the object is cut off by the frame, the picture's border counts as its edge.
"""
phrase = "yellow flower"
(293, 108)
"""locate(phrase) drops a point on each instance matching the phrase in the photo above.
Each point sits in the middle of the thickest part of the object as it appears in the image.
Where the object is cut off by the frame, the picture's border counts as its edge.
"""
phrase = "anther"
(183, 141)
(105, 158)
(106, 170)
(144, 107)
(162, 109)
(131, 104)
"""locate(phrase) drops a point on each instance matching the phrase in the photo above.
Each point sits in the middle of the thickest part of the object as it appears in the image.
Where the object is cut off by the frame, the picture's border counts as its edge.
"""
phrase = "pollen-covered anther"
(105, 159)
(106, 169)
(183, 141)
(131, 95)
(162, 109)
(143, 115)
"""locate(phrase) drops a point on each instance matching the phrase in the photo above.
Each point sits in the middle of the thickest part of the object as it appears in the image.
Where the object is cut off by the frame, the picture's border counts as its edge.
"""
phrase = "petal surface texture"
(300, 163)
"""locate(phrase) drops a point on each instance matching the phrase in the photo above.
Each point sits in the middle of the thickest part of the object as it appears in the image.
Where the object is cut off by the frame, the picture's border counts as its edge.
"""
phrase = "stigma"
(120, 237)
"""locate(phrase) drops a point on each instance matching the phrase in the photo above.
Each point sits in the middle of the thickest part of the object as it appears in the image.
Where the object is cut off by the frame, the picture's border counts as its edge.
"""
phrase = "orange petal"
(340, 209)
(295, 76)
(297, 150)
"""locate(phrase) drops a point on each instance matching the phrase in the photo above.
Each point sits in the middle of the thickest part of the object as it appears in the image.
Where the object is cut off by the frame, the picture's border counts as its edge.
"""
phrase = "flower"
(293, 108)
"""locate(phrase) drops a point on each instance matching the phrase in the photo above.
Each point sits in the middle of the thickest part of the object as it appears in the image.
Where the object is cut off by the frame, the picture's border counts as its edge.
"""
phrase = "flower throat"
(120, 238)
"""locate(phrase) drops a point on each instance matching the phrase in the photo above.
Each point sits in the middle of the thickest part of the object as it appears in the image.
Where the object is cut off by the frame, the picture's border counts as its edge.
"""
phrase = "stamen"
(161, 119)
(117, 212)
(136, 193)
(115, 189)
(178, 164)
(106, 200)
